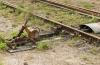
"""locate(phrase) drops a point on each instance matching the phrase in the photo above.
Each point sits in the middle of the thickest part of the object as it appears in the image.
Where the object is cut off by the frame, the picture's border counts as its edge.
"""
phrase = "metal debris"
(91, 27)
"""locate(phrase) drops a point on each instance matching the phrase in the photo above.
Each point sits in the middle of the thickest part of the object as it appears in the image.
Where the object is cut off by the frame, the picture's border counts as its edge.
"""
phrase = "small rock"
(25, 63)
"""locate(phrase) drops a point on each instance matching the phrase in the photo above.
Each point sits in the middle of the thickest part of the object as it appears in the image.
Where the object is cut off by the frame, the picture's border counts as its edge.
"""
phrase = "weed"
(14, 33)
(8, 10)
(48, 8)
(86, 5)
(84, 57)
(76, 37)
(70, 43)
(91, 61)
(71, 12)
(24, 34)
(1, 35)
(1, 38)
(43, 46)
(39, 5)
(22, 6)
(94, 19)
(2, 6)
(47, 25)
(18, 12)
(2, 45)
(1, 63)
(42, 29)
(35, 21)
(94, 50)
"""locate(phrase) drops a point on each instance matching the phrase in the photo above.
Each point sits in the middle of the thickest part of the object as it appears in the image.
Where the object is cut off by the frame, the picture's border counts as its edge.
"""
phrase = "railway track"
(78, 9)
(90, 37)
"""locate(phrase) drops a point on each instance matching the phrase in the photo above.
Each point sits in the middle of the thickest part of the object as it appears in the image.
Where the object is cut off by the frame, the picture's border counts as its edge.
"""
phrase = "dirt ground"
(60, 54)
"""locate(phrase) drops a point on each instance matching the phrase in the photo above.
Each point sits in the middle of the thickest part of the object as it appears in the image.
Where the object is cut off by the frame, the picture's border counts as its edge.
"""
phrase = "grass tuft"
(2, 6)
(43, 46)
(84, 57)
(2, 45)
(94, 50)
(1, 63)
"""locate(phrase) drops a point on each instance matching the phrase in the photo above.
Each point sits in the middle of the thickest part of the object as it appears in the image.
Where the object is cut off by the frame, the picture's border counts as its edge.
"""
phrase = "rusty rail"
(81, 10)
(65, 27)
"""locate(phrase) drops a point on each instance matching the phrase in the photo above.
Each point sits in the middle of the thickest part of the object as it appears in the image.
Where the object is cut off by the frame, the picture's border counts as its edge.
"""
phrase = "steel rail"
(88, 36)
(78, 9)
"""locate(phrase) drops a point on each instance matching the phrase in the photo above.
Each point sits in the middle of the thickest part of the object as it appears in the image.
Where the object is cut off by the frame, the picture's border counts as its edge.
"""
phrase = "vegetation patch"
(2, 45)
(2, 6)
(43, 46)
(73, 40)
(88, 59)
(14, 33)
(86, 5)
(2, 42)
(1, 63)
(94, 50)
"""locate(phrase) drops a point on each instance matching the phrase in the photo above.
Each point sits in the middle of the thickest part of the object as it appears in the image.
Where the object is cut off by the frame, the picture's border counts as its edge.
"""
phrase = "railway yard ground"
(61, 49)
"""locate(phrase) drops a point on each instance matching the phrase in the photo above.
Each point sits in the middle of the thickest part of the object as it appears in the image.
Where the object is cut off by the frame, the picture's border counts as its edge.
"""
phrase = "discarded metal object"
(26, 43)
(22, 29)
(91, 27)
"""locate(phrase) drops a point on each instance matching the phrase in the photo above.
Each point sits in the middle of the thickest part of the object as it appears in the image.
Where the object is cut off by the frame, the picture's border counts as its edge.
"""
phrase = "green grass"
(1, 63)
(2, 45)
(70, 43)
(14, 33)
(43, 46)
(84, 58)
(94, 50)
(86, 5)
(87, 59)
(2, 6)
(2, 42)
(18, 12)
(22, 5)
(94, 19)
(8, 10)
(24, 34)
(69, 17)
(73, 40)
(2, 35)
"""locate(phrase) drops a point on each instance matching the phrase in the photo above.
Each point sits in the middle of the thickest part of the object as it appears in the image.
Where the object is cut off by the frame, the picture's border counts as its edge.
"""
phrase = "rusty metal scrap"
(91, 27)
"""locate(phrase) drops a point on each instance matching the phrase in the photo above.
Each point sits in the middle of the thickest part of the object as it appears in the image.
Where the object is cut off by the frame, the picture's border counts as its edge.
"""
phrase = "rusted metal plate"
(95, 27)
(22, 48)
